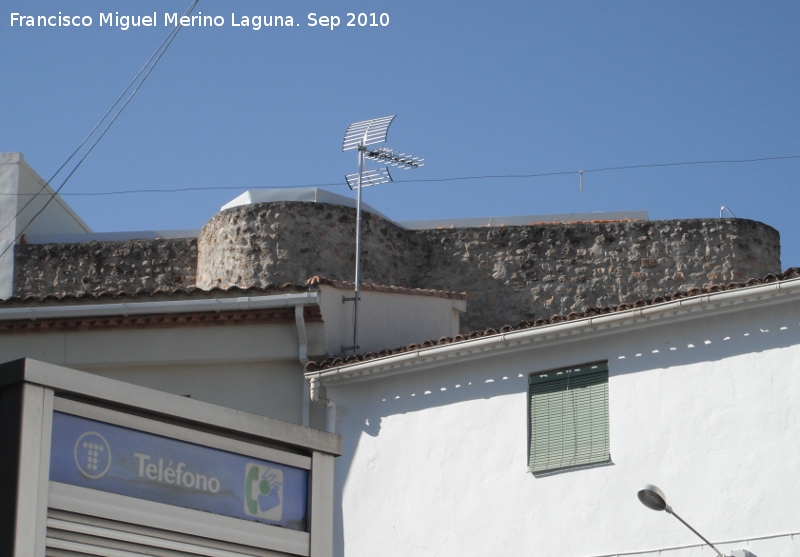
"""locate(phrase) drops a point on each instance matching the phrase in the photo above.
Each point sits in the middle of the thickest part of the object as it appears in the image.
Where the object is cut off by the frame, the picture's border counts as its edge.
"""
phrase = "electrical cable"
(604, 169)
(454, 179)
(91, 133)
(159, 53)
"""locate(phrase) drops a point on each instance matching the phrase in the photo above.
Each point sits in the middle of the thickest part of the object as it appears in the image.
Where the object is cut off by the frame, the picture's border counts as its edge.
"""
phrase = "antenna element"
(358, 136)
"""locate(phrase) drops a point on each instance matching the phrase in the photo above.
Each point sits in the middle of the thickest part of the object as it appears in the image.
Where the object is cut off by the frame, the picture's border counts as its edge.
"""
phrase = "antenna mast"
(358, 136)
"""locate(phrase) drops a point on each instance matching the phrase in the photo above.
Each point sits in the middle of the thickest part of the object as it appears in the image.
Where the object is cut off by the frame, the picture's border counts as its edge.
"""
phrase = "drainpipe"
(302, 339)
(301, 334)
(316, 397)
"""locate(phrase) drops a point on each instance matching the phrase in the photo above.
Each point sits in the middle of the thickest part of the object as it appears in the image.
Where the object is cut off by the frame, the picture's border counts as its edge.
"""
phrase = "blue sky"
(478, 88)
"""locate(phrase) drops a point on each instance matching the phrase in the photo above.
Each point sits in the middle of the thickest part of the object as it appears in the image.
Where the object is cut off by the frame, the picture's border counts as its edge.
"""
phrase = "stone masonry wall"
(509, 273)
(527, 272)
(275, 243)
(102, 267)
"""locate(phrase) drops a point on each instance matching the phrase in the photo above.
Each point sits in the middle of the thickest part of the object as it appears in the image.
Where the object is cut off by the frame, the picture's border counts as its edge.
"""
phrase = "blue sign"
(116, 459)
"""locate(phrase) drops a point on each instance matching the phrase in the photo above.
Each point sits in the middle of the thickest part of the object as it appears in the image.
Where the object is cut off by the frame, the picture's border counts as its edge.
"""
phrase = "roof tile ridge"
(328, 363)
(142, 292)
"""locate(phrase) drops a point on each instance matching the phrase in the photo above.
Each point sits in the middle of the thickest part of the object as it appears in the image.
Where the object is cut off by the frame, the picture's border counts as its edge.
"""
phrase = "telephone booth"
(96, 467)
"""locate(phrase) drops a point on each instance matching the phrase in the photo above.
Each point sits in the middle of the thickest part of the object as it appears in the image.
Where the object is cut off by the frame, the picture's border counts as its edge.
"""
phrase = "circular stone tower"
(274, 243)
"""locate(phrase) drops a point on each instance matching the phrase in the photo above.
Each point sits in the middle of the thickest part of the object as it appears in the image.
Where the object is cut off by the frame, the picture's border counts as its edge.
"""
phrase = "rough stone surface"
(509, 273)
(274, 243)
(528, 272)
(126, 267)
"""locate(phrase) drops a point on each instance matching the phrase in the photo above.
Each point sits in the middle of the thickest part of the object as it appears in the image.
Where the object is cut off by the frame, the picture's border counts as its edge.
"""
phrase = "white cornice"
(685, 308)
(65, 310)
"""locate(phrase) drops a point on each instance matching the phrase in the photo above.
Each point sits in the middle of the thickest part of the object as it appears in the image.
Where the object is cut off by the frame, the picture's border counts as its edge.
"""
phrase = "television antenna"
(358, 136)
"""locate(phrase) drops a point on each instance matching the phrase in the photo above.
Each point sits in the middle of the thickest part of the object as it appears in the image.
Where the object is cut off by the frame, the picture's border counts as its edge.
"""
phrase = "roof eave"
(480, 347)
(160, 307)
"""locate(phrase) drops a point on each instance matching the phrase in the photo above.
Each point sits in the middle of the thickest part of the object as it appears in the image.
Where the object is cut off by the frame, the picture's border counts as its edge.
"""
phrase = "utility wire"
(455, 179)
(155, 58)
(603, 169)
(90, 134)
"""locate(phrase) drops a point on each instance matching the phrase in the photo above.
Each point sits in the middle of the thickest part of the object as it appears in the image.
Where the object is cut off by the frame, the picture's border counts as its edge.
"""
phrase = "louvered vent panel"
(76, 535)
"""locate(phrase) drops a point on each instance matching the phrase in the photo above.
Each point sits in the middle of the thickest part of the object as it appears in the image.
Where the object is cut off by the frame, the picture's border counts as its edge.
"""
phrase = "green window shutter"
(569, 418)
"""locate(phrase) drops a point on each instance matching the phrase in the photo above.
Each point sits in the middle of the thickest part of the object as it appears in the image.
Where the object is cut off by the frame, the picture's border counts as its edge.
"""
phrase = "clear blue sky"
(479, 89)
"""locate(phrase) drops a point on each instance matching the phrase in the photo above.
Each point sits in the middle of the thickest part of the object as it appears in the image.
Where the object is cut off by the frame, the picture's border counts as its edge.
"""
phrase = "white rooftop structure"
(23, 193)
(308, 195)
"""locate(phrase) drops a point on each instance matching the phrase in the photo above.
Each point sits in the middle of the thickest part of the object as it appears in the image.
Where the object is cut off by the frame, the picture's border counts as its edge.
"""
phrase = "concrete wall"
(252, 367)
(510, 273)
(435, 460)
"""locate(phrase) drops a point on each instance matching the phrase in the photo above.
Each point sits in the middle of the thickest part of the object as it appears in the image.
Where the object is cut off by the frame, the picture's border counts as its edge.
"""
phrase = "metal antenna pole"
(358, 136)
(357, 278)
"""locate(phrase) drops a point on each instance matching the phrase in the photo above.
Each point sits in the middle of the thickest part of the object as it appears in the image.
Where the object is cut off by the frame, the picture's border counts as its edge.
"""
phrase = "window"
(569, 418)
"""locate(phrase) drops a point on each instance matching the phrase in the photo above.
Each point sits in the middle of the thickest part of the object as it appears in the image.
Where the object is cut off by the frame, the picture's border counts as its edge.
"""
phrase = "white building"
(241, 349)
(527, 440)
(23, 195)
(238, 348)
(230, 467)
(484, 446)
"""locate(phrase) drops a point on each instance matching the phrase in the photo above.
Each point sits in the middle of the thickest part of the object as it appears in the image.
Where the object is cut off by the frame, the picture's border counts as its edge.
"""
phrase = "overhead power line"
(143, 73)
(452, 179)
(602, 169)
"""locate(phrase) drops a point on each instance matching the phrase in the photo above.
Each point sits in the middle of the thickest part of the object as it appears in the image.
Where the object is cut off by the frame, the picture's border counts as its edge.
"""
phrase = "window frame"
(585, 424)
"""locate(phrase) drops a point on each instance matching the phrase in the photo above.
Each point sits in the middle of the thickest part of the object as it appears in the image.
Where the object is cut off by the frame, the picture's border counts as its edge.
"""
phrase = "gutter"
(476, 348)
(162, 307)
(297, 300)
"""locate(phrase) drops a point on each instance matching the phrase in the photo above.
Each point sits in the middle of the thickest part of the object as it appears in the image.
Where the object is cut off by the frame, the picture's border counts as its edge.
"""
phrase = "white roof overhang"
(159, 307)
(677, 310)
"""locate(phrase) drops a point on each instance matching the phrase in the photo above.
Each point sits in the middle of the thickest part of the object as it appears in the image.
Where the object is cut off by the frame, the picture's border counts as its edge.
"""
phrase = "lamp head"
(653, 498)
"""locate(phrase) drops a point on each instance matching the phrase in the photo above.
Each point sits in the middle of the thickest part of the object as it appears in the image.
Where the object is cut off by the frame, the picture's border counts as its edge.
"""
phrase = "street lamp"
(653, 498)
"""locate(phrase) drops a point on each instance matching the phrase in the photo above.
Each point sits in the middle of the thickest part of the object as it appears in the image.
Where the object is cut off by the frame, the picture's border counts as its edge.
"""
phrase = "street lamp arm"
(673, 513)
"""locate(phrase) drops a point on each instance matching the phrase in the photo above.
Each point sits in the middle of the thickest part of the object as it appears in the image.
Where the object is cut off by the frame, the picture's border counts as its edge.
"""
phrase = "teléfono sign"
(115, 459)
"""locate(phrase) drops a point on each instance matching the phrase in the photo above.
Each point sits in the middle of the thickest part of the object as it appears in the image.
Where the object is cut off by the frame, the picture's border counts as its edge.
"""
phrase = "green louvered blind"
(569, 418)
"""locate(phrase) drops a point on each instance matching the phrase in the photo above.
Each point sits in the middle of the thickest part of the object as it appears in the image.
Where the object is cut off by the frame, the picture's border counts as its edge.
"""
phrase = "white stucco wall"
(386, 320)
(435, 460)
(251, 368)
(20, 185)
(57, 218)
(255, 368)
(9, 181)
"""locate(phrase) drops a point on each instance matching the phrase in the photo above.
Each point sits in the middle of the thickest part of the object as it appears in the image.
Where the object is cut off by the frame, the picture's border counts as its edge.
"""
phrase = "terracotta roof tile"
(343, 285)
(310, 285)
(158, 292)
(791, 273)
(149, 321)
